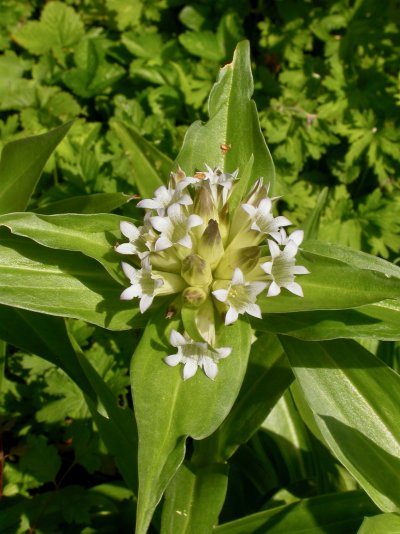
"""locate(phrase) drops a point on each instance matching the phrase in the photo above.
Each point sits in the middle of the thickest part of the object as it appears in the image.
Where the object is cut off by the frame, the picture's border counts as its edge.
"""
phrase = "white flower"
(194, 354)
(282, 238)
(282, 268)
(240, 296)
(143, 285)
(136, 244)
(166, 197)
(215, 178)
(262, 219)
(174, 228)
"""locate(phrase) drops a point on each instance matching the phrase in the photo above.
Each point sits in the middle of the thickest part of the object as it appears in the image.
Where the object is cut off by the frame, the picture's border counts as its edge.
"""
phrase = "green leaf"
(194, 499)
(311, 224)
(353, 258)
(268, 375)
(62, 283)
(387, 523)
(354, 398)
(59, 27)
(203, 44)
(21, 165)
(167, 409)
(337, 284)
(96, 203)
(41, 461)
(93, 235)
(329, 514)
(374, 321)
(150, 167)
(233, 122)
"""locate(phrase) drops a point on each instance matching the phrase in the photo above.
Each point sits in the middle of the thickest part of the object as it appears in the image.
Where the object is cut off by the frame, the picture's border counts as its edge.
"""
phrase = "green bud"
(245, 258)
(196, 271)
(210, 245)
(194, 296)
(204, 205)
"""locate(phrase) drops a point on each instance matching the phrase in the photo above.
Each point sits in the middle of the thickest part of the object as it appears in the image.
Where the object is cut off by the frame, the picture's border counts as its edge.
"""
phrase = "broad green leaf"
(355, 399)
(233, 122)
(21, 165)
(311, 224)
(194, 499)
(268, 375)
(203, 44)
(352, 257)
(59, 27)
(335, 284)
(150, 167)
(93, 235)
(379, 524)
(62, 283)
(96, 203)
(374, 321)
(328, 514)
(168, 409)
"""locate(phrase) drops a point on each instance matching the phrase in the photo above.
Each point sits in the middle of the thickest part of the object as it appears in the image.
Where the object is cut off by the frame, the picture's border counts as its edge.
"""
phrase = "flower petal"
(129, 271)
(297, 236)
(161, 224)
(231, 316)
(186, 241)
(210, 367)
(176, 339)
(172, 360)
(145, 302)
(254, 310)
(148, 203)
(193, 220)
(282, 221)
(126, 248)
(273, 290)
(300, 269)
(273, 248)
(162, 243)
(221, 294)
(189, 369)
(295, 288)
(237, 278)
(267, 267)
(129, 230)
(130, 293)
(223, 352)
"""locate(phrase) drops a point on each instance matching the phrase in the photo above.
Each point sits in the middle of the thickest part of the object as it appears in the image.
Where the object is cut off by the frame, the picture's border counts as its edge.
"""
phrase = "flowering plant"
(217, 259)
(215, 274)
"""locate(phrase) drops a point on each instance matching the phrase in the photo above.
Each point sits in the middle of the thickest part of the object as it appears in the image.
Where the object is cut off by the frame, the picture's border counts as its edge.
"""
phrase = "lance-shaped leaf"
(96, 203)
(21, 165)
(168, 409)
(150, 167)
(194, 498)
(382, 523)
(232, 135)
(335, 284)
(62, 283)
(355, 399)
(93, 235)
(328, 514)
(374, 321)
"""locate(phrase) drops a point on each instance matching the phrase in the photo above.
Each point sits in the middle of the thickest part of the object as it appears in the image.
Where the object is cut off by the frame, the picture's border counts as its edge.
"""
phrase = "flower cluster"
(215, 257)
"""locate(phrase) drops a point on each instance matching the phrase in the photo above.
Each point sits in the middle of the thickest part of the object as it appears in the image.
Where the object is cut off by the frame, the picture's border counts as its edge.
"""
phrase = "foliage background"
(327, 87)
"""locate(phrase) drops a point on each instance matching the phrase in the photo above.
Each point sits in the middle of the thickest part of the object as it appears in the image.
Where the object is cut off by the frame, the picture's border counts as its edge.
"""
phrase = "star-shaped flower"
(168, 196)
(194, 354)
(240, 296)
(174, 228)
(143, 284)
(282, 268)
(262, 219)
(136, 244)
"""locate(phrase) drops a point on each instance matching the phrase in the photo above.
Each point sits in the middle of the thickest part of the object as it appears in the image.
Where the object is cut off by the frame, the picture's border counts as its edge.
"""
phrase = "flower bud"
(194, 296)
(210, 245)
(196, 271)
(245, 258)
(204, 205)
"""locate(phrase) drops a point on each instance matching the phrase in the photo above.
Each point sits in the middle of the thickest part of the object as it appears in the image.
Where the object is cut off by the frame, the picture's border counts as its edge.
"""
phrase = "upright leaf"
(355, 399)
(21, 165)
(168, 410)
(150, 167)
(233, 134)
